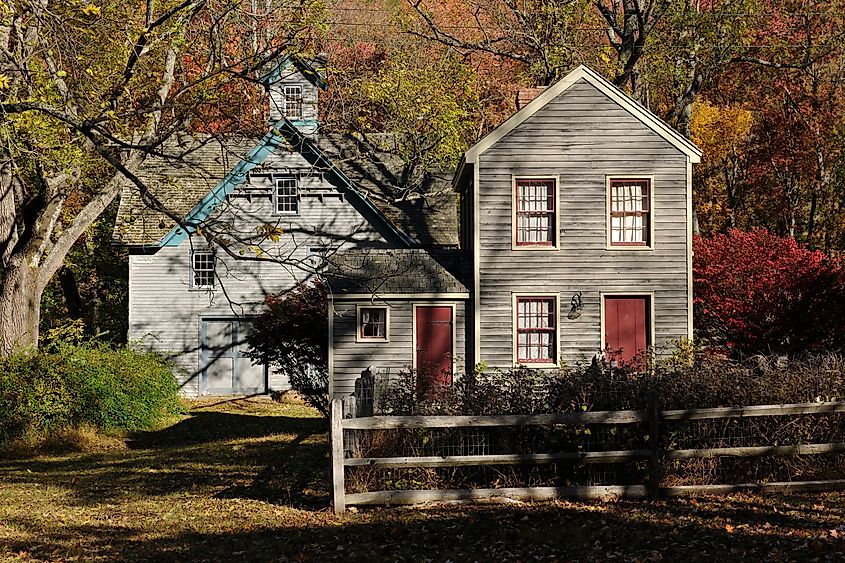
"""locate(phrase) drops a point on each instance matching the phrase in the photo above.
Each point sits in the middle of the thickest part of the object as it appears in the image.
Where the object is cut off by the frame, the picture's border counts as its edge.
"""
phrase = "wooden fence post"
(654, 433)
(337, 455)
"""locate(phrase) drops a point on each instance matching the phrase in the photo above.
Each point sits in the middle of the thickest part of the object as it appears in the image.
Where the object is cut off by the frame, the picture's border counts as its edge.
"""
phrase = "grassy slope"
(246, 480)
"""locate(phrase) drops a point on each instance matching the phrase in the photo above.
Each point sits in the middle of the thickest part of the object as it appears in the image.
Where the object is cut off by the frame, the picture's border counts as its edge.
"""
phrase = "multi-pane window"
(202, 268)
(293, 102)
(372, 323)
(536, 330)
(535, 212)
(630, 212)
(286, 198)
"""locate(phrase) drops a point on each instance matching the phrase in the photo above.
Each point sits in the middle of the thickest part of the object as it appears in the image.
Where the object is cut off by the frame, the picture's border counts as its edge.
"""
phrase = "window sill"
(631, 248)
(537, 365)
(360, 340)
(534, 247)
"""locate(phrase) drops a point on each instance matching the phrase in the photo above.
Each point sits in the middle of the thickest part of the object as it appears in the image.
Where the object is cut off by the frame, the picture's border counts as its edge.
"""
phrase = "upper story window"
(286, 197)
(202, 269)
(293, 102)
(372, 323)
(629, 208)
(536, 330)
(535, 213)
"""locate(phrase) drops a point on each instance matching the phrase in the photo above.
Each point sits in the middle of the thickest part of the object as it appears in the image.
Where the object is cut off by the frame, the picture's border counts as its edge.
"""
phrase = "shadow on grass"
(208, 426)
(277, 459)
(498, 533)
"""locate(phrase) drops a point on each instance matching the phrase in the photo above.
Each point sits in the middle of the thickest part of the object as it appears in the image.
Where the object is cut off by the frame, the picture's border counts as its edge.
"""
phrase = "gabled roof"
(202, 176)
(203, 170)
(429, 216)
(404, 271)
(600, 83)
(307, 68)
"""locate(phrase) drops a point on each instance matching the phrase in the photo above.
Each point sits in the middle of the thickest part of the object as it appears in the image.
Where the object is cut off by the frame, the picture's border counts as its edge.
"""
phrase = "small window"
(536, 330)
(202, 269)
(293, 102)
(316, 259)
(372, 323)
(535, 212)
(286, 197)
(630, 213)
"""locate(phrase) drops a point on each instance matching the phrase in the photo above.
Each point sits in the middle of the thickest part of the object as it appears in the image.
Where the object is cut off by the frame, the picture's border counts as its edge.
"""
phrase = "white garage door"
(224, 368)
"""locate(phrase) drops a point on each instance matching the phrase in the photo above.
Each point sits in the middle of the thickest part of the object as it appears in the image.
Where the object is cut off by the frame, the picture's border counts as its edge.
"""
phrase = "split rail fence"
(346, 429)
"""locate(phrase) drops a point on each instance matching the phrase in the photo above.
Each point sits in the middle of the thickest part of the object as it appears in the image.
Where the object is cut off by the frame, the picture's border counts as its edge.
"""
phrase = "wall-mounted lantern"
(577, 305)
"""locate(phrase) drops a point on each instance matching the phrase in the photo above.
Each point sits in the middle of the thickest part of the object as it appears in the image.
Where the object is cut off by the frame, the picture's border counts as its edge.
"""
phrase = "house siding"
(581, 137)
(350, 358)
(165, 311)
(310, 98)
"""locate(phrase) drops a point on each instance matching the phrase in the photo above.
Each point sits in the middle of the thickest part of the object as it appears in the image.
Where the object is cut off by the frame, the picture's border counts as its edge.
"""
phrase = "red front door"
(626, 330)
(434, 347)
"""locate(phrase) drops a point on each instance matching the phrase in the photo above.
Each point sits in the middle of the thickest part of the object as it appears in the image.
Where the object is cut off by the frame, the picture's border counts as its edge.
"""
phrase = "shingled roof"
(409, 270)
(430, 219)
(196, 164)
(192, 168)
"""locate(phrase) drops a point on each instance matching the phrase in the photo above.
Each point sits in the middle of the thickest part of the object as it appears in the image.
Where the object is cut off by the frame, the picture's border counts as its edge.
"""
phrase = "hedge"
(43, 393)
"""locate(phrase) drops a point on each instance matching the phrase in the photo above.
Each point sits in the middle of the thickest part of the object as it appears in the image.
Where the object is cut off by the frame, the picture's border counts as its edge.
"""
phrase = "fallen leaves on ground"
(246, 480)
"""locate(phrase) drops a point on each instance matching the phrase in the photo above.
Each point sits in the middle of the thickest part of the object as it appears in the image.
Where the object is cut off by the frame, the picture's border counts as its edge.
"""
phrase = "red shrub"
(757, 292)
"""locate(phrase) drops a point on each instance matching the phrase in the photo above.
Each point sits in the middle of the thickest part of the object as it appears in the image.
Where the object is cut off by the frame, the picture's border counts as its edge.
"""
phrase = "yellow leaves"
(4, 81)
(61, 74)
(719, 130)
(91, 10)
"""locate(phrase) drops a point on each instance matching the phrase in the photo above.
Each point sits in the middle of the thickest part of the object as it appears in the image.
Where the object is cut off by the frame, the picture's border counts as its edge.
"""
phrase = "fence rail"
(344, 419)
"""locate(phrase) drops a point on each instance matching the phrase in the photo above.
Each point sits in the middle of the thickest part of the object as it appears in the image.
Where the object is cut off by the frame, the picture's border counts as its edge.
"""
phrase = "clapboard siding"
(165, 311)
(581, 136)
(310, 97)
(351, 358)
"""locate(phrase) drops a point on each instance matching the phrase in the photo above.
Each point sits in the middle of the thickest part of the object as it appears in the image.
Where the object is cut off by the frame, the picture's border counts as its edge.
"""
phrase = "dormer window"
(286, 197)
(293, 102)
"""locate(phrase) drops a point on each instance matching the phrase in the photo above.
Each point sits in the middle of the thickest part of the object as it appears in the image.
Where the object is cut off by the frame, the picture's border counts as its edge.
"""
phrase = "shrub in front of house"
(759, 293)
(43, 393)
(673, 384)
(291, 336)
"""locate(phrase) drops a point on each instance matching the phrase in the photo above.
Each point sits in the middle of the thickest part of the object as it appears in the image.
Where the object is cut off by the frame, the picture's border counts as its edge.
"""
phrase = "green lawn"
(246, 480)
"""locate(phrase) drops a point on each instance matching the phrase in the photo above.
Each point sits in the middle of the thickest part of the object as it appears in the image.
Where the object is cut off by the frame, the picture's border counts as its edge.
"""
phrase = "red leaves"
(757, 292)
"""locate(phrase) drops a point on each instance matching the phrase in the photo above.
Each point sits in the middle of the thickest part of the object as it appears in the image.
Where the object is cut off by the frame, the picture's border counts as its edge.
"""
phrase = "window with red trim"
(534, 212)
(536, 330)
(630, 212)
(372, 323)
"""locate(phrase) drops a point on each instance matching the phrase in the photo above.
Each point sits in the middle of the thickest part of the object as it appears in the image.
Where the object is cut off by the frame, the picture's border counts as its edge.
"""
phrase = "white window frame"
(514, 320)
(299, 96)
(515, 244)
(359, 333)
(277, 196)
(213, 270)
(651, 212)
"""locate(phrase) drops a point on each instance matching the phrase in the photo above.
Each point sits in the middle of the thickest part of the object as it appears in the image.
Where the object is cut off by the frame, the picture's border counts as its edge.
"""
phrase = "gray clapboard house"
(576, 239)
(277, 209)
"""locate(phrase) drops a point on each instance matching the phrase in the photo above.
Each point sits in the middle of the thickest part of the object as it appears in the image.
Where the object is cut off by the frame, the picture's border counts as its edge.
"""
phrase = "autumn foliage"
(756, 292)
(292, 337)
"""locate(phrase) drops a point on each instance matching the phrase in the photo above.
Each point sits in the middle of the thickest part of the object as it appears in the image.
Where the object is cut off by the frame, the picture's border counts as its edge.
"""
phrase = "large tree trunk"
(20, 308)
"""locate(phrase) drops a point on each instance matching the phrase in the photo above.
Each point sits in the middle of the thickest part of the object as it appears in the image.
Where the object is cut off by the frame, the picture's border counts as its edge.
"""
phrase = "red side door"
(626, 330)
(434, 346)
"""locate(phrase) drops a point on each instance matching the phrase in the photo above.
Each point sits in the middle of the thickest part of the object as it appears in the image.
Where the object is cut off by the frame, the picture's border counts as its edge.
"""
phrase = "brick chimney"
(525, 95)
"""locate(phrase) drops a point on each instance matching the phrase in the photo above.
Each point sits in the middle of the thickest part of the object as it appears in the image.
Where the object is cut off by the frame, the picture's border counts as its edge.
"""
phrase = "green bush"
(45, 392)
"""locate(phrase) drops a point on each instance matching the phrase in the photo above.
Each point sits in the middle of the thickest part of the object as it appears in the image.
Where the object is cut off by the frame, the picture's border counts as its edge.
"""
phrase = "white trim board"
(600, 83)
